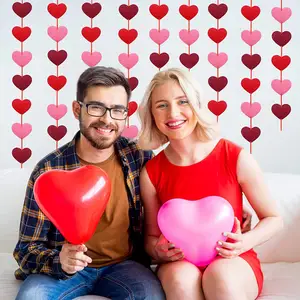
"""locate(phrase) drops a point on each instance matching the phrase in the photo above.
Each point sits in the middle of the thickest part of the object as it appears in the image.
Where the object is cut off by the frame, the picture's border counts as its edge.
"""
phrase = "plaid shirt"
(37, 250)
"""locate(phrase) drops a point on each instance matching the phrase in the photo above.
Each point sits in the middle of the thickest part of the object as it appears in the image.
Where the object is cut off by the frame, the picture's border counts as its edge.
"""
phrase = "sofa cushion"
(281, 281)
(285, 246)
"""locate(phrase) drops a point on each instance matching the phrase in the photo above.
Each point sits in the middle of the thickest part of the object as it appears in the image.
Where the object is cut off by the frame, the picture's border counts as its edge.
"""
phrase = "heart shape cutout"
(22, 58)
(21, 130)
(158, 11)
(74, 201)
(128, 61)
(57, 33)
(128, 11)
(281, 111)
(91, 9)
(250, 134)
(57, 82)
(133, 82)
(196, 226)
(21, 154)
(217, 83)
(159, 36)
(22, 9)
(128, 35)
(22, 82)
(159, 59)
(130, 132)
(57, 112)
(189, 60)
(217, 107)
(91, 58)
(57, 57)
(189, 37)
(57, 132)
(57, 10)
(21, 106)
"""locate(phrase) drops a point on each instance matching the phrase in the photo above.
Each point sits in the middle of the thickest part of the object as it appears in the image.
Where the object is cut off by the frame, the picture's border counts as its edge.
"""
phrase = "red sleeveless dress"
(214, 175)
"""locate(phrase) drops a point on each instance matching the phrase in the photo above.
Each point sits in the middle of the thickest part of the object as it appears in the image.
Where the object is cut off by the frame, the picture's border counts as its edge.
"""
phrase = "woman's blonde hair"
(150, 137)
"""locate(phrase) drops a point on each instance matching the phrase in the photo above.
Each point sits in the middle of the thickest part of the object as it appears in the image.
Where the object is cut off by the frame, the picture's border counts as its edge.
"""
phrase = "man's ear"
(76, 109)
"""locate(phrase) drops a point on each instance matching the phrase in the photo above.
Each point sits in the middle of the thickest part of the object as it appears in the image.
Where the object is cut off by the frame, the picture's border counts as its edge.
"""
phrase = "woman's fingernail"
(220, 243)
(225, 233)
(218, 249)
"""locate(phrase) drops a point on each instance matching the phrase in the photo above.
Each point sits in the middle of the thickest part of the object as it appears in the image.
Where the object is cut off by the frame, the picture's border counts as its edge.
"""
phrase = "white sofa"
(280, 256)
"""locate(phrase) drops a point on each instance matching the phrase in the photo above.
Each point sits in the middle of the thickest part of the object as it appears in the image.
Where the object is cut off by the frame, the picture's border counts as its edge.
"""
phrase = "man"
(112, 263)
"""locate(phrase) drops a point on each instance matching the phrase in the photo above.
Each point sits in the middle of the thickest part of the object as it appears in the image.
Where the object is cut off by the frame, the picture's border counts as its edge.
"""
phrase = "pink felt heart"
(21, 130)
(91, 59)
(159, 36)
(57, 33)
(281, 14)
(196, 226)
(128, 60)
(217, 60)
(281, 86)
(21, 58)
(250, 110)
(57, 112)
(189, 37)
(130, 132)
(251, 38)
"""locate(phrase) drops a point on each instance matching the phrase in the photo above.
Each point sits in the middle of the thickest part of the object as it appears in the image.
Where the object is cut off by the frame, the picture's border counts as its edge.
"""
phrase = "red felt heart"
(22, 9)
(188, 12)
(57, 133)
(251, 61)
(57, 10)
(281, 38)
(250, 134)
(91, 33)
(21, 155)
(217, 107)
(128, 35)
(189, 60)
(91, 9)
(159, 59)
(133, 82)
(217, 35)
(217, 10)
(57, 82)
(281, 111)
(250, 85)
(21, 106)
(281, 62)
(74, 201)
(22, 82)
(158, 11)
(250, 12)
(217, 83)
(57, 57)
(128, 11)
(132, 107)
(21, 33)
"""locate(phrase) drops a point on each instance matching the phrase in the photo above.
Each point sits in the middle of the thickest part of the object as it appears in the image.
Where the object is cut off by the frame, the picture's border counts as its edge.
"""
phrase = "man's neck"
(88, 153)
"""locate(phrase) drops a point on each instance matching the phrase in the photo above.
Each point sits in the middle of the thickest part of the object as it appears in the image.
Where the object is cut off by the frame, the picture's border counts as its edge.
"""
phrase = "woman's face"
(172, 112)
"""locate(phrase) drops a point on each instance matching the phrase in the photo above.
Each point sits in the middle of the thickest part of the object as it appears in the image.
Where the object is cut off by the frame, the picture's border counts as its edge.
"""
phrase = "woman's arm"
(256, 191)
(155, 243)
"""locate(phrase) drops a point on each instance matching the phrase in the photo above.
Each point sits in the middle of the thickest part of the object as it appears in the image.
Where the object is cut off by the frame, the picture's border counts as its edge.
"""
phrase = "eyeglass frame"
(105, 107)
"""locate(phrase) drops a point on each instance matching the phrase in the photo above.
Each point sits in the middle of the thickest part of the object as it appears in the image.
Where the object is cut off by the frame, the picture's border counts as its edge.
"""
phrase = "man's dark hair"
(101, 76)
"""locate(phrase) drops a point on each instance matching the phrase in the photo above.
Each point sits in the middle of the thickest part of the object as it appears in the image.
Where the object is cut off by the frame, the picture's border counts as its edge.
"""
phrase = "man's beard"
(102, 142)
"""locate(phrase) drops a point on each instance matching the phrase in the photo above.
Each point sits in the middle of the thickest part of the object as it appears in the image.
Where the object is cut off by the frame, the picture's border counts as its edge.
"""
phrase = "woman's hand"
(232, 249)
(166, 251)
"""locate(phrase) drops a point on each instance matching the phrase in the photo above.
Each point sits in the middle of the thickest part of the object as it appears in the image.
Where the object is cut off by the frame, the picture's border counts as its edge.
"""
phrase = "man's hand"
(166, 251)
(247, 217)
(73, 259)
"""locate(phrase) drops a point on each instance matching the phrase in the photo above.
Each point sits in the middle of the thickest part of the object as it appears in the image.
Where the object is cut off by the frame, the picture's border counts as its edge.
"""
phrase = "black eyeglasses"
(97, 110)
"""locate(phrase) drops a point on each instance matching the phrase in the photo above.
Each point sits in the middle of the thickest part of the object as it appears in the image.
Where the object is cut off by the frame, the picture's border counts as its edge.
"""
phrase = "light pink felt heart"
(281, 86)
(91, 59)
(130, 132)
(128, 61)
(159, 36)
(21, 130)
(189, 37)
(21, 58)
(251, 110)
(57, 112)
(57, 33)
(217, 60)
(251, 38)
(196, 226)
(281, 15)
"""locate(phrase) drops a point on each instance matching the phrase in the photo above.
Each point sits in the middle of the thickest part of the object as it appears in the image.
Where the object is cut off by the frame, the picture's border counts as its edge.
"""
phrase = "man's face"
(102, 131)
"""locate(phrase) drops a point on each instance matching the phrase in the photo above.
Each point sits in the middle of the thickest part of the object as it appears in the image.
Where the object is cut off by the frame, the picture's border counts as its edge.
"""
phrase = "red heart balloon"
(74, 201)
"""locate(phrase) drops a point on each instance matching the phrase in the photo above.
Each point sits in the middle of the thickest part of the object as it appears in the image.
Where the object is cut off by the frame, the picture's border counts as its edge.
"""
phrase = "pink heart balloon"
(196, 226)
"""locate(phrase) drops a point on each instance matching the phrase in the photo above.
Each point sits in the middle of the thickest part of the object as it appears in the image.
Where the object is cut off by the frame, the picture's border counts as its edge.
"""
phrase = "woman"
(198, 163)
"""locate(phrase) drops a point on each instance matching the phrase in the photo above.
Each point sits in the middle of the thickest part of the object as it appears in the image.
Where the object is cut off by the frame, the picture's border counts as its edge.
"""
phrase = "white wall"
(276, 151)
